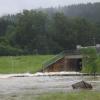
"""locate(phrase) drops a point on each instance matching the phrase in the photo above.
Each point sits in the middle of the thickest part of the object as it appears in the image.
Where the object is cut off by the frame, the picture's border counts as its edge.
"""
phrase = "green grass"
(83, 95)
(22, 64)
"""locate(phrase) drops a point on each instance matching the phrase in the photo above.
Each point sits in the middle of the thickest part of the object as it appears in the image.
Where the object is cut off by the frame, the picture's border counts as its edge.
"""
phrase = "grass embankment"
(84, 95)
(22, 64)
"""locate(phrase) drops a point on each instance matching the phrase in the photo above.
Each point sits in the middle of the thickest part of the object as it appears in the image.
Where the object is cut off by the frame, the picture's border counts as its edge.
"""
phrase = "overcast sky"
(13, 6)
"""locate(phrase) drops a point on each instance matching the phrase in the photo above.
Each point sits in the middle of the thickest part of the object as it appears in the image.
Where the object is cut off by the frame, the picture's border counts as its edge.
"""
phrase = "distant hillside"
(89, 11)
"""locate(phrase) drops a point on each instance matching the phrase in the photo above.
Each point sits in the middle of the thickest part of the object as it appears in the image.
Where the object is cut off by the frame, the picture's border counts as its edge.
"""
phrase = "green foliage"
(89, 59)
(89, 52)
(83, 95)
(8, 50)
(22, 64)
(98, 64)
(33, 31)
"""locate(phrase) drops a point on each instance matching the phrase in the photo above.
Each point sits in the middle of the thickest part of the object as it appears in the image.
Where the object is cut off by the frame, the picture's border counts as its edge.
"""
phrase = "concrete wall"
(55, 67)
(68, 63)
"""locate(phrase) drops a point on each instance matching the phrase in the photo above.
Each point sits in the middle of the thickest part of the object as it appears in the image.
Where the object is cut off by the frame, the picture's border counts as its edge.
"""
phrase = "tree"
(31, 30)
(63, 32)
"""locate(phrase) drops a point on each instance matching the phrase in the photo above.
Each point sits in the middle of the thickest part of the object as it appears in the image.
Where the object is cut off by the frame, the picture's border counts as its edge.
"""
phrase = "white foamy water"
(38, 74)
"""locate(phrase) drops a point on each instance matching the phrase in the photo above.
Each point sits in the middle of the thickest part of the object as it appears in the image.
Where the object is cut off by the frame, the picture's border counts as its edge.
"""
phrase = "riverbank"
(82, 95)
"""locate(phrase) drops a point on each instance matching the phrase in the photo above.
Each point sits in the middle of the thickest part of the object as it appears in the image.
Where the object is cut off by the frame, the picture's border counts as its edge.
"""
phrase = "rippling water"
(19, 87)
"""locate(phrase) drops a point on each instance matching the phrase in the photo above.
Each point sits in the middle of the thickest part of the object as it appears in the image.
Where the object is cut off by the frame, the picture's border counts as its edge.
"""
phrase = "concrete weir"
(65, 64)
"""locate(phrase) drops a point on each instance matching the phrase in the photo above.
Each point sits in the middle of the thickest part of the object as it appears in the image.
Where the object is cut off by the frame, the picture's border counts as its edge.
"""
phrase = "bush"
(8, 50)
(89, 59)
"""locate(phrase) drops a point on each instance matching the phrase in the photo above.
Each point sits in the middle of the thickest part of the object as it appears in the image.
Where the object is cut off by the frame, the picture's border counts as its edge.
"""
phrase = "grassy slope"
(84, 95)
(22, 64)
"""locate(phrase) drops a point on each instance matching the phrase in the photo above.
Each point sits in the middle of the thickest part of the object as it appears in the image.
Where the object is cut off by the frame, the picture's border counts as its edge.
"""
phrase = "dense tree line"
(90, 11)
(39, 32)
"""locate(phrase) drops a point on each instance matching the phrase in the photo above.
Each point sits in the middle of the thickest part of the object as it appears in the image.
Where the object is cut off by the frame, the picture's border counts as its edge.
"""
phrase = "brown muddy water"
(26, 88)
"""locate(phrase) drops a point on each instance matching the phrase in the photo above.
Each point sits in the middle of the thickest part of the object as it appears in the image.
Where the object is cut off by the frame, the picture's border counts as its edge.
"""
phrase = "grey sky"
(13, 6)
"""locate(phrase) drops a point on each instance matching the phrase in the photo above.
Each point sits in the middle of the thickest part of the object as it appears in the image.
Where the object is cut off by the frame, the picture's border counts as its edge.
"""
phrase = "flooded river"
(25, 88)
